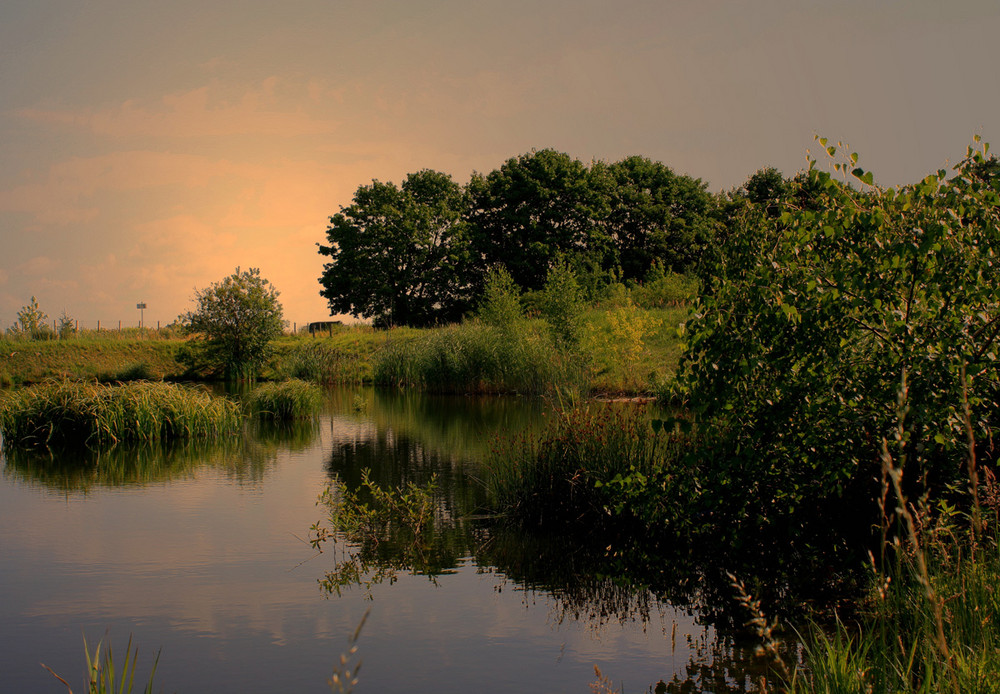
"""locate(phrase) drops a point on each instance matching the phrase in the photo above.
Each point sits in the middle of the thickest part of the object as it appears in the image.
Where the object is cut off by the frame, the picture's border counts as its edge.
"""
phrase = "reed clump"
(285, 400)
(585, 465)
(98, 415)
(106, 676)
(475, 357)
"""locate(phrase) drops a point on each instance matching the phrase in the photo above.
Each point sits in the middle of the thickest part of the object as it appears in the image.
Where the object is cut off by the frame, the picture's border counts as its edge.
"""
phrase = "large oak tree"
(399, 255)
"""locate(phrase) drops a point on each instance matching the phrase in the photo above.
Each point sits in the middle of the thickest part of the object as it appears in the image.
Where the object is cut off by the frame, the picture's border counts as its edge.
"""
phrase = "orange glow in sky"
(150, 149)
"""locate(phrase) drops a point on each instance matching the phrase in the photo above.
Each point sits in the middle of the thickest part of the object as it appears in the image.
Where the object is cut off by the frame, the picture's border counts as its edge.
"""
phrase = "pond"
(201, 552)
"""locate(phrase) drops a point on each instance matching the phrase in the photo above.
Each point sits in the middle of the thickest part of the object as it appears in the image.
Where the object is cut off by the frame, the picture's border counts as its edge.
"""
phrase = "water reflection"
(78, 470)
(197, 538)
(599, 581)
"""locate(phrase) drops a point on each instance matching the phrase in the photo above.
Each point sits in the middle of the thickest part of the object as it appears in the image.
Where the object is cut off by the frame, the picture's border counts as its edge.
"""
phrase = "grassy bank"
(101, 356)
(622, 349)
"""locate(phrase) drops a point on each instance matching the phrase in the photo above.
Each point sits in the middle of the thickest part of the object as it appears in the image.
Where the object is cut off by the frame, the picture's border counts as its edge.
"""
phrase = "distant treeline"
(416, 254)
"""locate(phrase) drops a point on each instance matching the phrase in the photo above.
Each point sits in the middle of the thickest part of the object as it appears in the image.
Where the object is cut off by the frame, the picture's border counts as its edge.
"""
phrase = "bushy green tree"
(236, 319)
(863, 311)
(400, 255)
(563, 305)
(533, 208)
(31, 322)
(652, 214)
(768, 188)
(501, 303)
(67, 326)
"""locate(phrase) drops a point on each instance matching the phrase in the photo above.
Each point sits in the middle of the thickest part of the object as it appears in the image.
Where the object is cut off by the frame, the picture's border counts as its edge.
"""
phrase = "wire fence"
(61, 330)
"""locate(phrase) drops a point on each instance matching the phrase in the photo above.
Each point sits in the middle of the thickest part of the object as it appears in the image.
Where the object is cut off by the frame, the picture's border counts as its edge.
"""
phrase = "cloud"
(272, 108)
(39, 265)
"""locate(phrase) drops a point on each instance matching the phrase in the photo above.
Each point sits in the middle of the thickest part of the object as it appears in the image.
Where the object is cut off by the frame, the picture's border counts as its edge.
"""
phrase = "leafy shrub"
(661, 288)
(562, 305)
(796, 356)
(501, 303)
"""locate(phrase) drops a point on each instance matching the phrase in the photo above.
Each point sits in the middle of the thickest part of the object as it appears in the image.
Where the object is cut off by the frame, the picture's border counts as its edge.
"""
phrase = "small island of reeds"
(285, 400)
(95, 414)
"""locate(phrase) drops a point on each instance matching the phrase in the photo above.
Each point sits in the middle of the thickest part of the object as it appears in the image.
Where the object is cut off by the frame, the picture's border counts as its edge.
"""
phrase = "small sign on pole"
(142, 307)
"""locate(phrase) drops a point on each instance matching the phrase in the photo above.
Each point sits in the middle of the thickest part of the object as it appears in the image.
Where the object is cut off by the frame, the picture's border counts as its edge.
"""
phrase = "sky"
(148, 149)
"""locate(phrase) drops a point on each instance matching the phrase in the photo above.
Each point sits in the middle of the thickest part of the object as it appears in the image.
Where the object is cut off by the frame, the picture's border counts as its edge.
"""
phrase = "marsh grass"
(929, 622)
(902, 642)
(564, 473)
(105, 676)
(100, 415)
(475, 357)
(285, 400)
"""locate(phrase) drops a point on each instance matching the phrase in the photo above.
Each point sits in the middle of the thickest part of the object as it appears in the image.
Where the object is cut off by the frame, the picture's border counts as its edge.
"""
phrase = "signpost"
(142, 307)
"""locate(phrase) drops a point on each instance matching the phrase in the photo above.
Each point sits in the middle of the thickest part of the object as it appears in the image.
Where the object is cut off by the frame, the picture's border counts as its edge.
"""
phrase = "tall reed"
(584, 459)
(105, 676)
(477, 358)
(285, 400)
(95, 414)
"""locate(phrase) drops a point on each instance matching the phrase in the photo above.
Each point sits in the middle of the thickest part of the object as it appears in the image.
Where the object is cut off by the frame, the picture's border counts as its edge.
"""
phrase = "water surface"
(201, 551)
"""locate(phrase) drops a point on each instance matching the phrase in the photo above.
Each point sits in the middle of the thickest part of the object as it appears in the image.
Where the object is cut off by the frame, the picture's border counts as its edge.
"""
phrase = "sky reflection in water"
(202, 553)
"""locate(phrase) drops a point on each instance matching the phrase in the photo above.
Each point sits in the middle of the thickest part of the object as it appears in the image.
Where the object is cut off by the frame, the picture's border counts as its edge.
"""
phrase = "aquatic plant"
(105, 677)
(378, 531)
(475, 357)
(285, 400)
(585, 459)
(95, 414)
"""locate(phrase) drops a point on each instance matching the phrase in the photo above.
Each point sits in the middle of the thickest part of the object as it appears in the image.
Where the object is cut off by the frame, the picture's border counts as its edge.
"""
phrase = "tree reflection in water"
(78, 470)
(396, 506)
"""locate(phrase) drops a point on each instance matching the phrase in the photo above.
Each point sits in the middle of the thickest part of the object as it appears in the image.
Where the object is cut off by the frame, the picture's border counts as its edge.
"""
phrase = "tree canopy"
(400, 255)
(533, 208)
(652, 214)
(418, 254)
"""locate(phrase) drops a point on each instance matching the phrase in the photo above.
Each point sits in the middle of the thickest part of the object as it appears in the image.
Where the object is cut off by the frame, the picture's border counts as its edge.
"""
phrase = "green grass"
(86, 358)
(94, 414)
(625, 350)
(475, 358)
(344, 356)
(284, 400)
(896, 646)
(568, 473)
(105, 676)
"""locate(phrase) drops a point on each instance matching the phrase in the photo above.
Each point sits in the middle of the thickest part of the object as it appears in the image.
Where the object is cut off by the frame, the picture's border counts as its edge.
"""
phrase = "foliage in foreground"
(795, 355)
(104, 676)
(95, 414)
